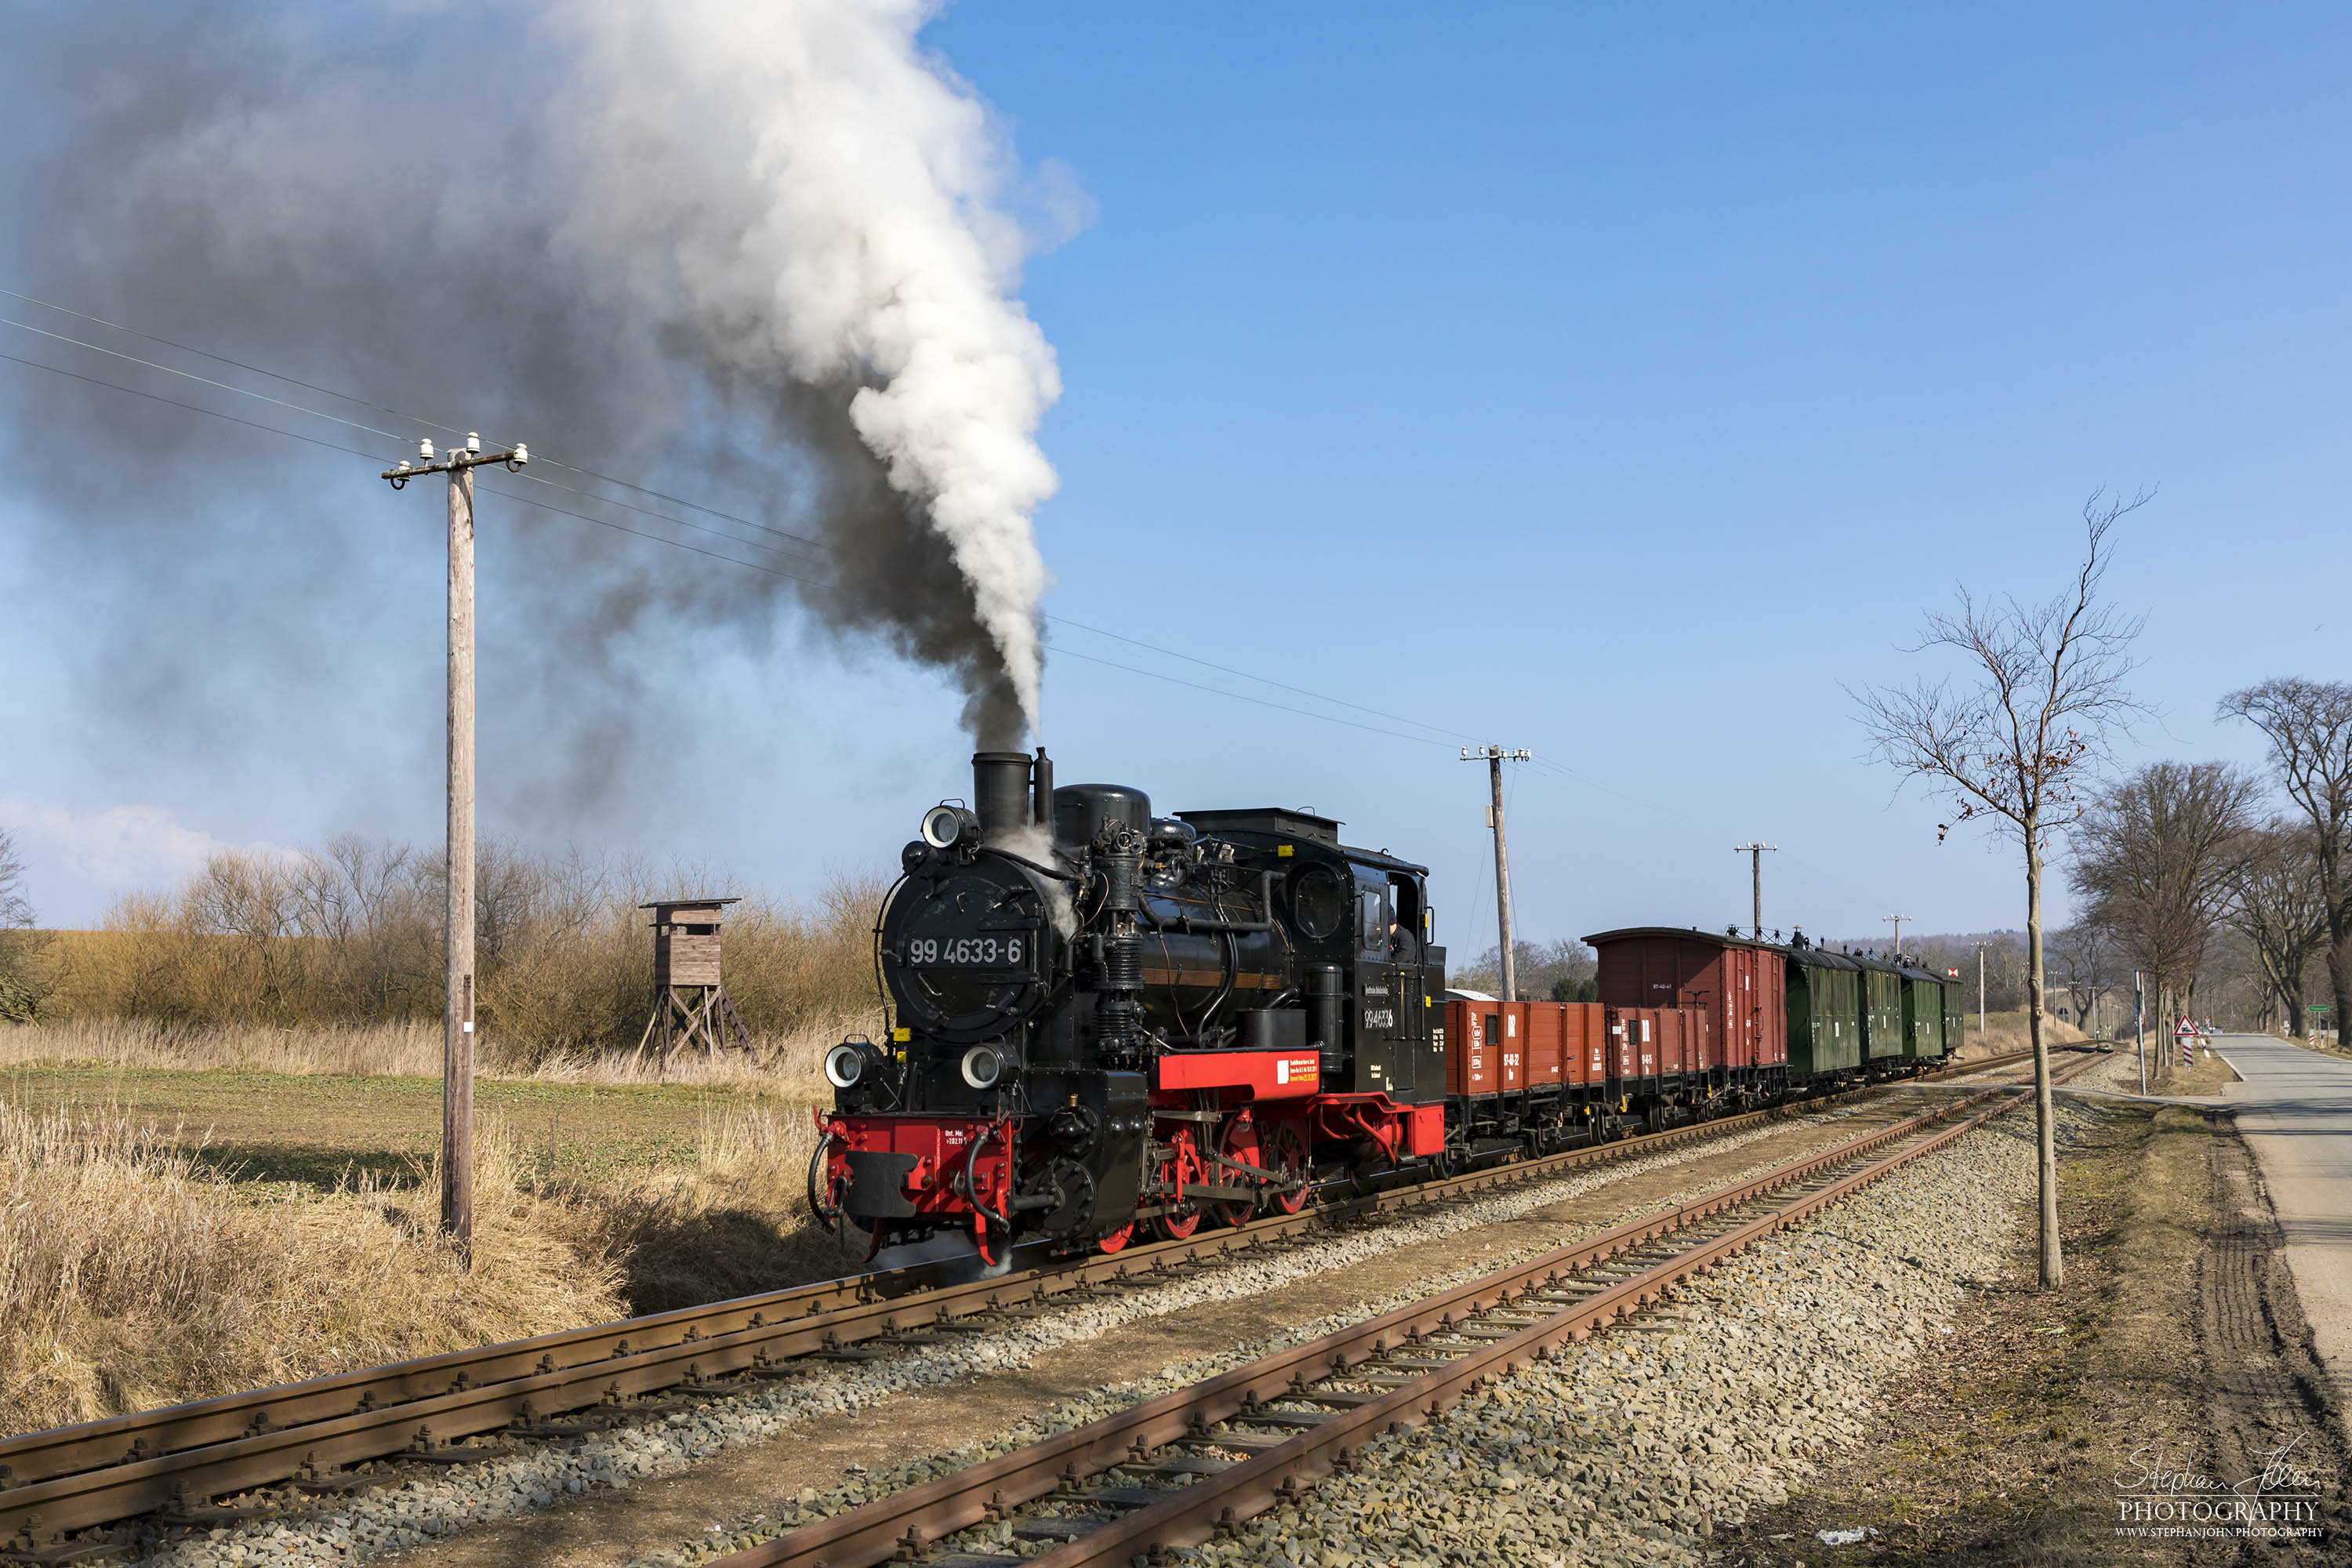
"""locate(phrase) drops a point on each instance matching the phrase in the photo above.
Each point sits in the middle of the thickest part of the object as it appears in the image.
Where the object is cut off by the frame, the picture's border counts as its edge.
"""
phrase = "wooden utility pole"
(457, 1016)
(1495, 757)
(1898, 920)
(1755, 852)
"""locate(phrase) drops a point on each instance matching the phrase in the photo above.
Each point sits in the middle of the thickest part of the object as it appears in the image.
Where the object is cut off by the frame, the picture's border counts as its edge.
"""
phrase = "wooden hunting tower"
(690, 1000)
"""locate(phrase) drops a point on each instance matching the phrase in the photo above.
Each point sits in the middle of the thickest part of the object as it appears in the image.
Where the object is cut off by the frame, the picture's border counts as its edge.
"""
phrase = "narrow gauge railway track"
(71, 1478)
(1172, 1471)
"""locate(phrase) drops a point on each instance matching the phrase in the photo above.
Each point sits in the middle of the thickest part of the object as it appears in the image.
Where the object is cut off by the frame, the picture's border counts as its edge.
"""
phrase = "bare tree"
(19, 1002)
(1558, 970)
(2156, 857)
(2276, 904)
(2082, 954)
(2009, 741)
(2309, 723)
(15, 909)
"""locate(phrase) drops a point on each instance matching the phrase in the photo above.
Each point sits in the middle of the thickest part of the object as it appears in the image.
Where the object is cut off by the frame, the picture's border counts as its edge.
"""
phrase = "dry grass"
(349, 936)
(787, 1065)
(132, 1276)
(2011, 1032)
(734, 1224)
(134, 1273)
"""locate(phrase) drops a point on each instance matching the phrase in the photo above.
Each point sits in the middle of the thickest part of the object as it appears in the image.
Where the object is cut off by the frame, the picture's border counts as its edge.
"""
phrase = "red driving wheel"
(1240, 1146)
(1116, 1239)
(1285, 1148)
(1182, 1168)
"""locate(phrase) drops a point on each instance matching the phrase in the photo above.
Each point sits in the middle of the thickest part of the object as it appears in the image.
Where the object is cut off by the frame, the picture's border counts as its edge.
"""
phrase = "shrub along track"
(561, 1385)
(1175, 1471)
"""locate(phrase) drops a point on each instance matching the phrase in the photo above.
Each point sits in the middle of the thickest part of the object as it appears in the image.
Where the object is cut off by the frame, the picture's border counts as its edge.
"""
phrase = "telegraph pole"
(458, 1013)
(1756, 853)
(1980, 992)
(1898, 920)
(1495, 757)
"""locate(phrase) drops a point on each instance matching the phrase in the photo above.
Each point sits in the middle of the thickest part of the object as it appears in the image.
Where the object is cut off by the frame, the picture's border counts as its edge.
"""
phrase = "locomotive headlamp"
(844, 1065)
(982, 1065)
(945, 826)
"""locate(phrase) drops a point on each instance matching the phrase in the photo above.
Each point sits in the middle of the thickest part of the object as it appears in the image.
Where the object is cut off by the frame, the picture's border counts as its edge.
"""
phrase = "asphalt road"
(2295, 1109)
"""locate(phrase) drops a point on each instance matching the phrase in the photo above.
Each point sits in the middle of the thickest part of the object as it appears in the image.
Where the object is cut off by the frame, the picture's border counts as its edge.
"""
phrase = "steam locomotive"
(1104, 1021)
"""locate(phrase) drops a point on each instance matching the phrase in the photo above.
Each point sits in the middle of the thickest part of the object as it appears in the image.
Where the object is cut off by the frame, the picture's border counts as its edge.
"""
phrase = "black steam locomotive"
(1104, 1020)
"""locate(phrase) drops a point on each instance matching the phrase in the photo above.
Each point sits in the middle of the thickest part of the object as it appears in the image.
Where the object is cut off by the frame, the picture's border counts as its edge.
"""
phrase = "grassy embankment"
(219, 1134)
(182, 1230)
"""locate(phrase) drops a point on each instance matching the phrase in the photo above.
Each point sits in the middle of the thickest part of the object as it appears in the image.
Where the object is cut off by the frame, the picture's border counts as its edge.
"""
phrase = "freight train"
(1103, 1022)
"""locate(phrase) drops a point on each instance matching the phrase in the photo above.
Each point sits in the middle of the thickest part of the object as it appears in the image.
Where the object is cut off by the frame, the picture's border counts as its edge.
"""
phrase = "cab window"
(1404, 899)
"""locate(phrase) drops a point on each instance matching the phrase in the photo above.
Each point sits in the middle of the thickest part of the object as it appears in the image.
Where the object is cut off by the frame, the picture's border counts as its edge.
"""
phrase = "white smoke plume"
(759, 255)
(817, 198)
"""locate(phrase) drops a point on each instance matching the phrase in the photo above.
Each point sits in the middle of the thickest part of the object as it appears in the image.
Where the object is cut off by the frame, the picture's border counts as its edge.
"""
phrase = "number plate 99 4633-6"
(980, 951)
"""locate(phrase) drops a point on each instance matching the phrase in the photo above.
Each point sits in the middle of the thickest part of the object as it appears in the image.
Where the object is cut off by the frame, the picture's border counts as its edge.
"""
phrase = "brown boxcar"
(1740, 984)
(1471, 1062)
(1541, 1046)
(1584, 1041)
(1513, 1045)
(1657, 1042)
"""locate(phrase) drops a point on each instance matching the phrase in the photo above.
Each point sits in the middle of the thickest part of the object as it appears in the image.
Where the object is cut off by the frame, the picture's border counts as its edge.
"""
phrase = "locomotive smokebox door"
(969, 953)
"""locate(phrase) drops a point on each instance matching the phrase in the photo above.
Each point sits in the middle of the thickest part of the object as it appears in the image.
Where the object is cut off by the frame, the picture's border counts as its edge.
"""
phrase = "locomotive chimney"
(1000, 791)
(1041, 792)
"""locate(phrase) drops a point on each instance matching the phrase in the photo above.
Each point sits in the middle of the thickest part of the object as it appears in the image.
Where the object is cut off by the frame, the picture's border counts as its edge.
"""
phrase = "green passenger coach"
(1825, 1012)
(1923, 1014)
(1881, 1009)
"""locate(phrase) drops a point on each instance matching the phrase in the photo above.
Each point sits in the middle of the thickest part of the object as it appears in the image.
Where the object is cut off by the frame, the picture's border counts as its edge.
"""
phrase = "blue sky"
(1615, 385)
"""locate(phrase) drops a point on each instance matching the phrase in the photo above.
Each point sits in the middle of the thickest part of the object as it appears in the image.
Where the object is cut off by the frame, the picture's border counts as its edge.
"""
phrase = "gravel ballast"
(1631, 1448)
(429, 1508)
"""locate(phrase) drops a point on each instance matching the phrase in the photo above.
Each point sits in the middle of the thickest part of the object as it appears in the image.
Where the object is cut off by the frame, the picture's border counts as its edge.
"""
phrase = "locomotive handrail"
(1186, 925)
(970, 1181)
(827, 1214)
(1003, 854)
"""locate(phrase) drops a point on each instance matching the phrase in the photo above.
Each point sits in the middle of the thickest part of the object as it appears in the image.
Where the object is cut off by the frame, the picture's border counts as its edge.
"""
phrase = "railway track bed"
(1192, 1467)
(665, 1406)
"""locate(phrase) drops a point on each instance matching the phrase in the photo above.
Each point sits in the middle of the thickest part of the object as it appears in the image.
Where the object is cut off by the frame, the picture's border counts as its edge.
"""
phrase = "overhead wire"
(610, 501)
(1244, 697)
(192, 407)
(192, 376)
(223, 359)
(657, 539)
(1245, 675)
(351, 397)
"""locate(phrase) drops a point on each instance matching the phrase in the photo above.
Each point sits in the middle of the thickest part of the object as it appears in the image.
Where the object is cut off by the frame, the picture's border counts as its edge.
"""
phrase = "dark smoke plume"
(756, 255)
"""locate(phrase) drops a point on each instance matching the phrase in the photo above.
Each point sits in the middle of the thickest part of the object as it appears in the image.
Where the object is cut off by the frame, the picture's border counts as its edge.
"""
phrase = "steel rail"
(73, 1478)
(900, 1525)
